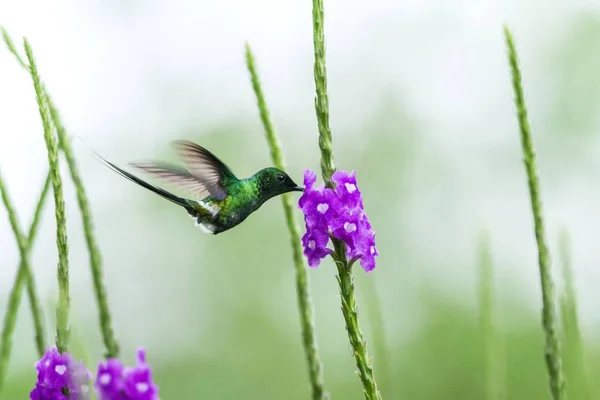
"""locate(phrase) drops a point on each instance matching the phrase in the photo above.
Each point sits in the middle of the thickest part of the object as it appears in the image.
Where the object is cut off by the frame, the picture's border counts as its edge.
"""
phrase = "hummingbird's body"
(243, 198)
(224, 201)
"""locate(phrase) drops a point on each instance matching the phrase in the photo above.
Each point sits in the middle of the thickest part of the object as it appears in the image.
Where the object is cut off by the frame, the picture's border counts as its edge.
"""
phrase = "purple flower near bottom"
(61, 377)
(117, 382)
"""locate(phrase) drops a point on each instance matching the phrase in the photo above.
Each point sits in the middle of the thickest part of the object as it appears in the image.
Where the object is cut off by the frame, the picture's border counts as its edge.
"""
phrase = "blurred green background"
(421, 107)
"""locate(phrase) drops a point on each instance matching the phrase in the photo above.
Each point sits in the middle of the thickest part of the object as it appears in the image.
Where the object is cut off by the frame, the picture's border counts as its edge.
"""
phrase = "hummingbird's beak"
(298, 189)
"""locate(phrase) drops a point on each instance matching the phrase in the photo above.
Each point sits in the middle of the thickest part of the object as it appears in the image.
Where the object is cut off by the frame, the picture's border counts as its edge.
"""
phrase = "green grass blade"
(302, 287)
(549, 320)
(574, 349)
(62, 312)
(24, 275)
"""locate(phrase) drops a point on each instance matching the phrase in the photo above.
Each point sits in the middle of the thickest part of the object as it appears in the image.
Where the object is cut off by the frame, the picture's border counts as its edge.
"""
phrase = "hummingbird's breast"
(217, 216)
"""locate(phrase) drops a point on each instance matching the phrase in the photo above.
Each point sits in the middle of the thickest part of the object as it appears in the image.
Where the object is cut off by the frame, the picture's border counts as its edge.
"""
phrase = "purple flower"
(338, 212)
(347, 189)
(60, 377)
(320, 207)
(109, 384)
(315, 246)
(365, 247)
(347, 227)
(309, 180)
(116, 382)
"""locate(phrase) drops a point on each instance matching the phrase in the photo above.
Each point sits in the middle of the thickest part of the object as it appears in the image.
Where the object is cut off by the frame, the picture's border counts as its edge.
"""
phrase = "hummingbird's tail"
(161, 192)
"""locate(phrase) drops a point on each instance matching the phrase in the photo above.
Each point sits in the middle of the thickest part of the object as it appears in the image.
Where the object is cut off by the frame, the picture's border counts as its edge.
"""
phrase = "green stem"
(62, 311)
(322, 99)
(345, 280)
(302, 287)
(549, 320)
(112, 347)
(350, 313)
(24, 275)
(11, 47)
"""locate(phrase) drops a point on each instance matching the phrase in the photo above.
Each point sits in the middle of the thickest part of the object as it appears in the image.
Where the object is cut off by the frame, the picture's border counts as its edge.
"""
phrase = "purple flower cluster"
(60, 377)
(338, 213)
(117, 382)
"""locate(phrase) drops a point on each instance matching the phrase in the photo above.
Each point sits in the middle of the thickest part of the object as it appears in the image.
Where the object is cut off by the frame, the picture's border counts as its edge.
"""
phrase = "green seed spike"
(549, 320)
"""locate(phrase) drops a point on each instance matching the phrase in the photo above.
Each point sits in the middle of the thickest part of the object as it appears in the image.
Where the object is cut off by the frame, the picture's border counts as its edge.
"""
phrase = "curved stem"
(24, 275)
(106, 326)
(302, 288)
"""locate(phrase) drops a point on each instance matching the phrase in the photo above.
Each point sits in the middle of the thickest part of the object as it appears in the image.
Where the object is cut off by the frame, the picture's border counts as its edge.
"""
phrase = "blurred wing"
(175, 176)
(205, 167)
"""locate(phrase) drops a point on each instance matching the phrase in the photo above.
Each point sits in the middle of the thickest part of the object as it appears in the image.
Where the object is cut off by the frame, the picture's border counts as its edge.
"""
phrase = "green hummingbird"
(224, 201)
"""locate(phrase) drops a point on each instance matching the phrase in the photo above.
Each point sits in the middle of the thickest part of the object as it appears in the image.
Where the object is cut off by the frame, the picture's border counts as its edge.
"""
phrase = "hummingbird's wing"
(174, 175)
(205, 167)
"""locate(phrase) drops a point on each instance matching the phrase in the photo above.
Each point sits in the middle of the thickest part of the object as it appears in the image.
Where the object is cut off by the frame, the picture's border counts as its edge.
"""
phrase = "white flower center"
(60, 369)
(312, 244)
(141, 387)
(105, 379)
(372, 250)
(47, 363)
(322, 208)
(350, 187)
(349, 227)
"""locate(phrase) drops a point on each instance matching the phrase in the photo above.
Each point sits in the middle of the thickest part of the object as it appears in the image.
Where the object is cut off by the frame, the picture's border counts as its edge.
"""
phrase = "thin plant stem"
(110, 342)
(24, 275)
(570, 320)
(350, 313)
(549, 319)
(345, 278)
(11, 47)
(302, 287)
(62, 311)
(322, 98)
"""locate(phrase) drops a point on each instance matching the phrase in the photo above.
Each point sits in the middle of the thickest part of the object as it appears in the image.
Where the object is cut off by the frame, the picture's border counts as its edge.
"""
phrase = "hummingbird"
(223, 200)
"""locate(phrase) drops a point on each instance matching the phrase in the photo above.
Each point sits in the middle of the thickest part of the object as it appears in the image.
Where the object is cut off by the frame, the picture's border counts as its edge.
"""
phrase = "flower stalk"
(328, 168)
(322, 98)
(549, 319)
(62, 311)
(302, 286)
(24, 276)
(108, 336)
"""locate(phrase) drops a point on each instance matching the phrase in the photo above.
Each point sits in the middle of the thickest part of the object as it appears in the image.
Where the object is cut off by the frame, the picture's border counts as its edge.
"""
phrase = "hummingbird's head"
(273, 182)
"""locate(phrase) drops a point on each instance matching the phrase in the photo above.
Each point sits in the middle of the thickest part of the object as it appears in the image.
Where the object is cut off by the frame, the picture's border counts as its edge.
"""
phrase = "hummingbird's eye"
(281, 178)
